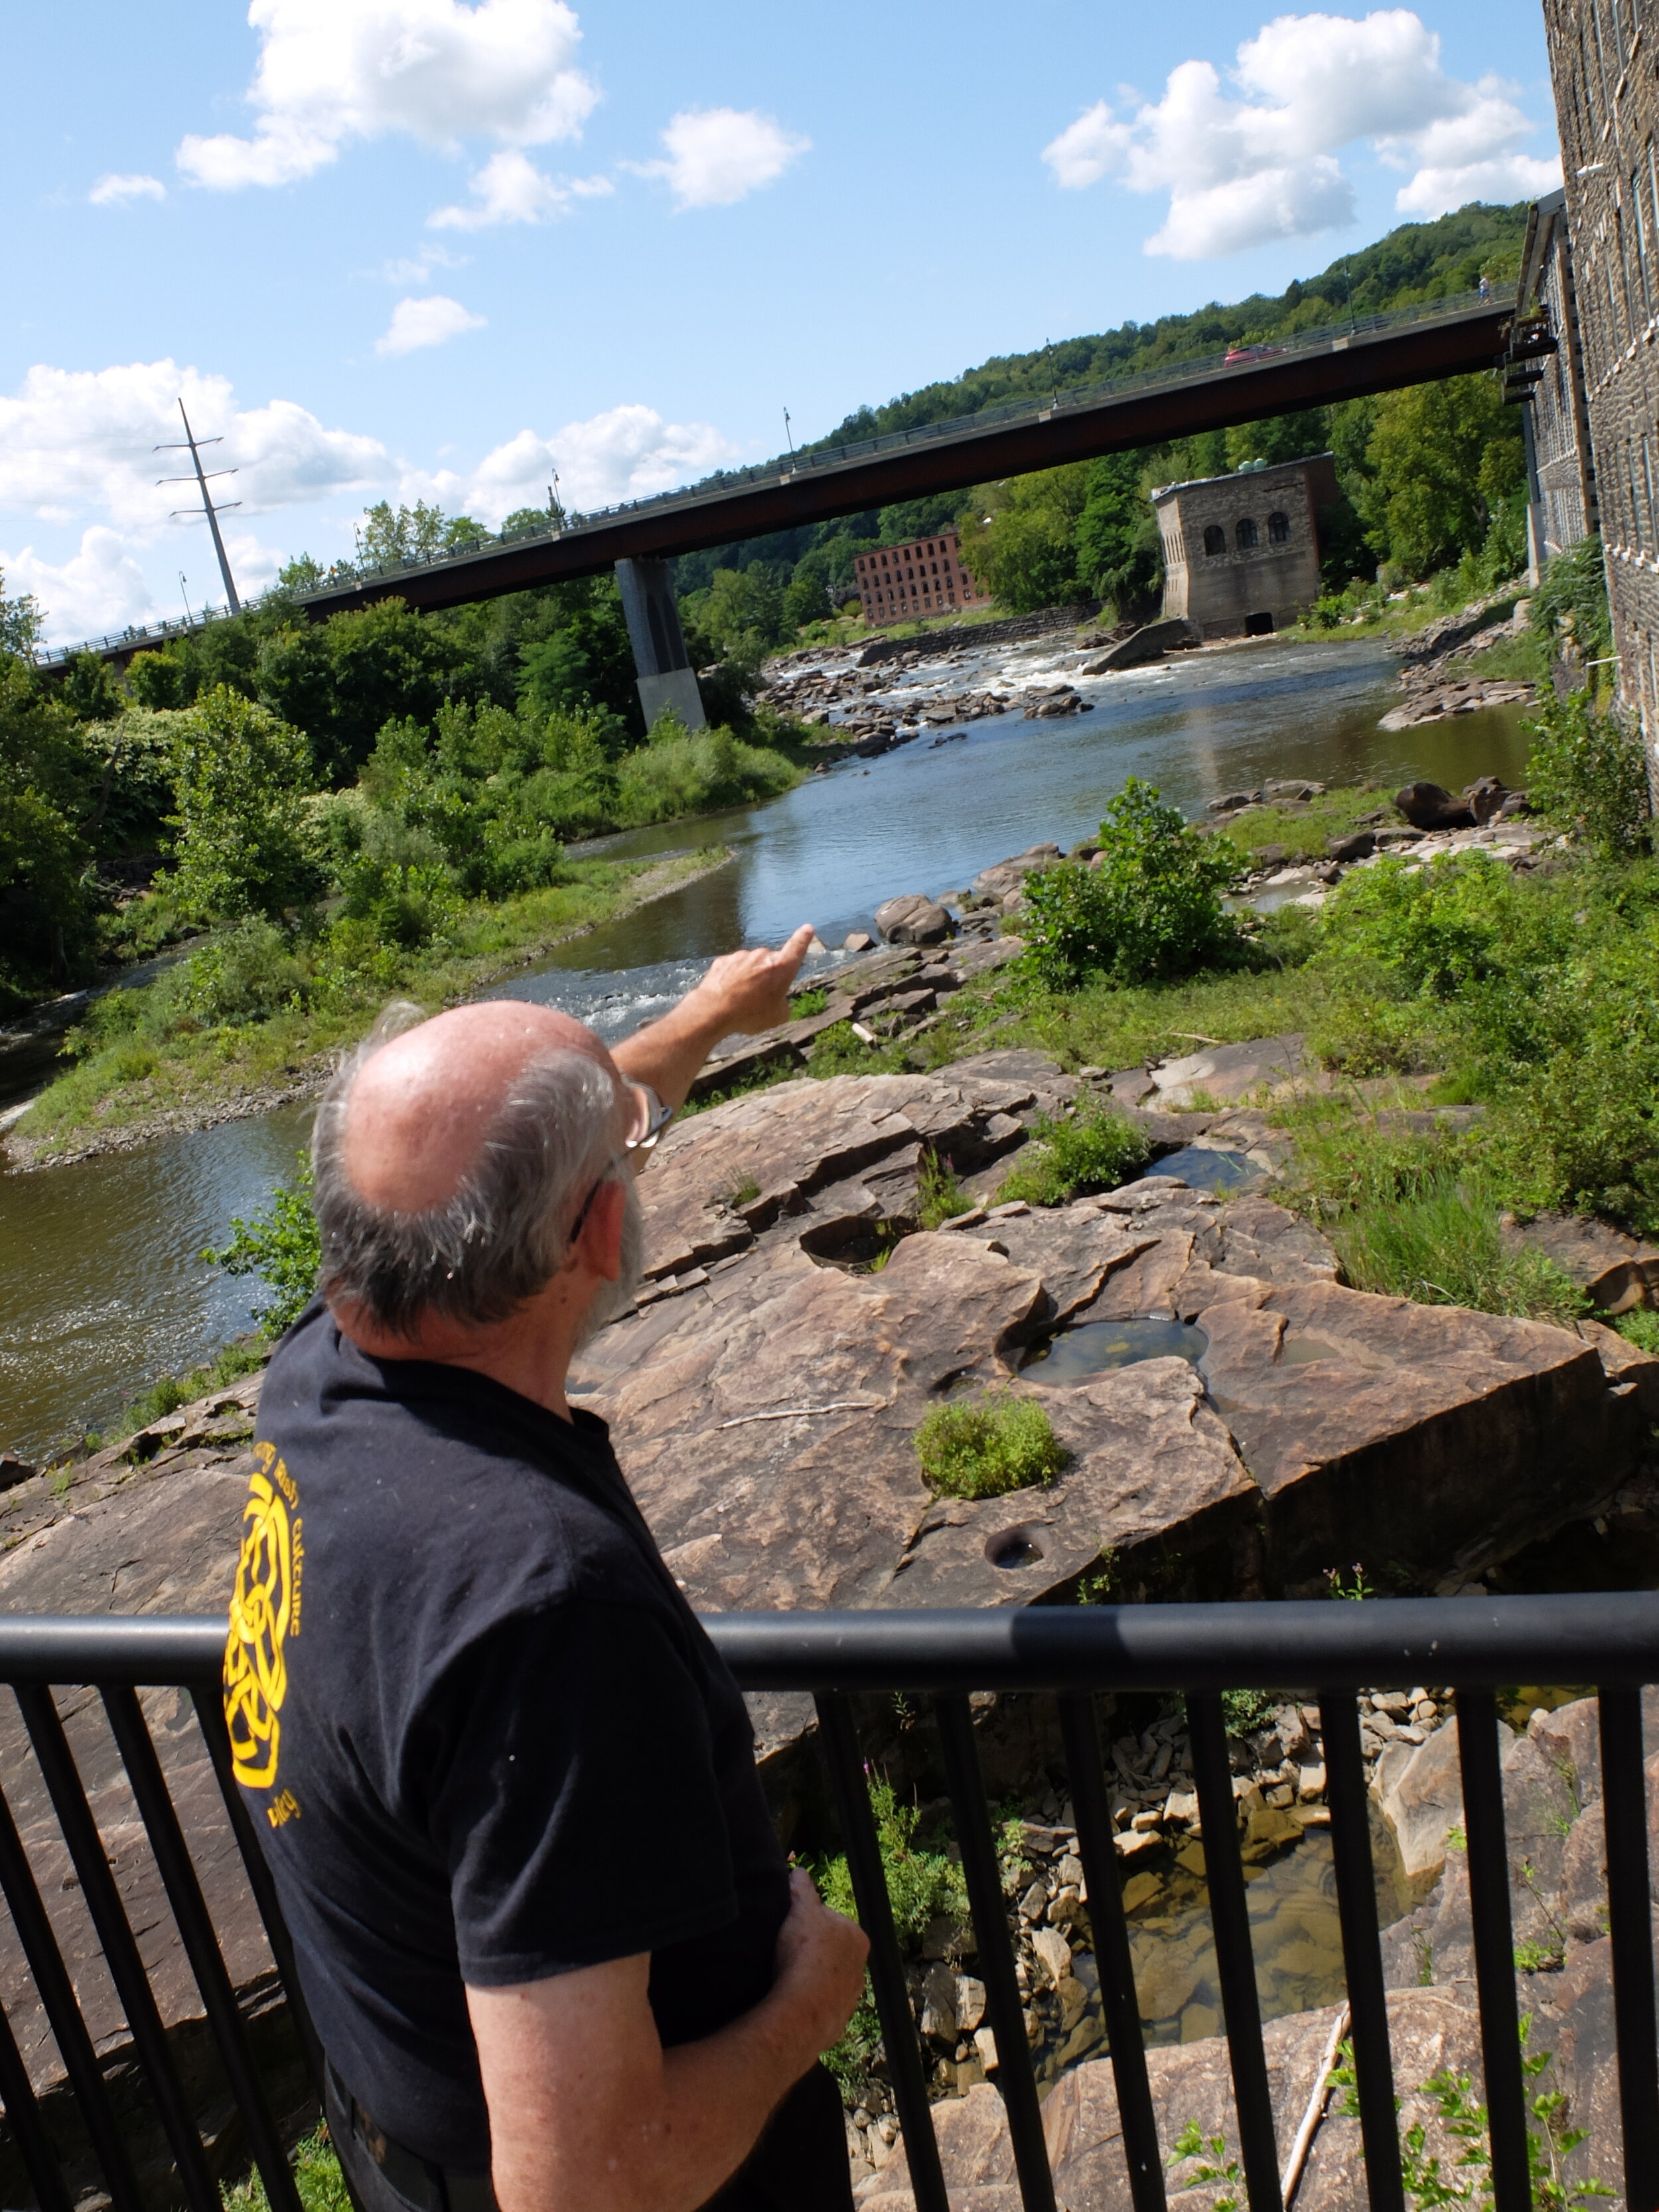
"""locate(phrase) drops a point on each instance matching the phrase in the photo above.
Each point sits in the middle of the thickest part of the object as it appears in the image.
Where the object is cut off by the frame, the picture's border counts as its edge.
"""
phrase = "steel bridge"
(1368, 353)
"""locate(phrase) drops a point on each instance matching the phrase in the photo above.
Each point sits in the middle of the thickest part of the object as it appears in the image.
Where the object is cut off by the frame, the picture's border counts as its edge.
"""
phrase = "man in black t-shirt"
(505, 1785)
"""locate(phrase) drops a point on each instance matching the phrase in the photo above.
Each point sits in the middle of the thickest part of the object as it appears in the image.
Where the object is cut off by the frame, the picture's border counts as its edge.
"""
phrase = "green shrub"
(921, 1884)
(241, 975)
(998, 1443)
(1091, 1149)
(279, 1245)
(677, 773)
(1641, 1329)
(1151, 907)
(1588, 772)
(241, 776)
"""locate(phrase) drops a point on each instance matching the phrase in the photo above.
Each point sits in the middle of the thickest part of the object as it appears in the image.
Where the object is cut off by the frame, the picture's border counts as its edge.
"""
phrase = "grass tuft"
(1090, 1149)
(985, 1449)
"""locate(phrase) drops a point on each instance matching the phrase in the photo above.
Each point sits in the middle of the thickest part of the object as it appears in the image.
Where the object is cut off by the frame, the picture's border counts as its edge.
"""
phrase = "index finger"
(794, 951)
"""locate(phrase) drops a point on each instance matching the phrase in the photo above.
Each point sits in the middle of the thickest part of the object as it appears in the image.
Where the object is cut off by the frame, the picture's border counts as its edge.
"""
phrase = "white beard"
(613, 1299)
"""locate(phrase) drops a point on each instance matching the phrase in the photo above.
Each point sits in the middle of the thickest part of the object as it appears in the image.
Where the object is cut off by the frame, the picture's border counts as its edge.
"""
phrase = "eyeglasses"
(650, 1118)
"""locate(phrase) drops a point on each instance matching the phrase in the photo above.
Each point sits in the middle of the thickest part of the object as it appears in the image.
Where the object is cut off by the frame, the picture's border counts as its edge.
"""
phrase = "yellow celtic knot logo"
(256, 1675)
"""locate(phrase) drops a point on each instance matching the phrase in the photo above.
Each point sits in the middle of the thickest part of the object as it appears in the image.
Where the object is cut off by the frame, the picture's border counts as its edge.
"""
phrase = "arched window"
(1245, 533)
(1215, 539)
(1278, 528)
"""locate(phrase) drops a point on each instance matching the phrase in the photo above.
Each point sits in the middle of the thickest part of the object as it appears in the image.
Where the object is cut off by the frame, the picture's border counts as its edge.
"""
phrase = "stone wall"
(1224, 571)
(1606, 103)
(1565, 480)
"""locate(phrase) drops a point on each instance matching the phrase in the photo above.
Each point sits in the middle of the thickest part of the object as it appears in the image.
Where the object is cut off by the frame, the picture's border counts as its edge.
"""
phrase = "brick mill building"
(1241, 553)
(1603, 62)
(897, 583)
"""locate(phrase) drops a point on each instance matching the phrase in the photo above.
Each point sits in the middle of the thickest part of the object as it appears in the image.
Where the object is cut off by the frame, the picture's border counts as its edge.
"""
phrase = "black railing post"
(1625, 1811)
(201, 1942)
(1229, 1916)
(1494, 1949)
(120, 1949)
(1362, 1956)
(996, 1954)
(898, 2027)
(63, 2011)
(1113, 1960)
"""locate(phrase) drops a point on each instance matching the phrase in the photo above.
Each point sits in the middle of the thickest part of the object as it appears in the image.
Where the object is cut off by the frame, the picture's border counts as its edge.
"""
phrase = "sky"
(425, 249)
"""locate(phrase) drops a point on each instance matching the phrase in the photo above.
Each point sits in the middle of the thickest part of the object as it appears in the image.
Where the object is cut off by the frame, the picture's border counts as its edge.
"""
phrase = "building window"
(1245, 533)
(1215, 539)
(1279, 529)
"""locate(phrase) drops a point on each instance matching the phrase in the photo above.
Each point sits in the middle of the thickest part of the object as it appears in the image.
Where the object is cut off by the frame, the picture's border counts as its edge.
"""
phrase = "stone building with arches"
(1241, 553)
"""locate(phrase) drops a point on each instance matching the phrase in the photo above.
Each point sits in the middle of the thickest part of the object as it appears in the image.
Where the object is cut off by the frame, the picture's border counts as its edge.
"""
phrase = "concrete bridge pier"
(666, 678)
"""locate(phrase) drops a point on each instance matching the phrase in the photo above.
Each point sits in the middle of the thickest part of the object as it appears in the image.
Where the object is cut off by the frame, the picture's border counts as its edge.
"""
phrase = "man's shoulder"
(407, 1458)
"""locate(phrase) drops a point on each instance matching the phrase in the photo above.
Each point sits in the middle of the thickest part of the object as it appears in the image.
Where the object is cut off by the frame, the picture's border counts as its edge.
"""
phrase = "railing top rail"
(1593, 1638)
(351, 576)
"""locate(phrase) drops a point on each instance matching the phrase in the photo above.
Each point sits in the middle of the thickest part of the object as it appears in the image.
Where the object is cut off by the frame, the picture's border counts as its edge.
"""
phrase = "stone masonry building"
(1241, 553)
(898, 582)
(1556, 421)
(1604, 55)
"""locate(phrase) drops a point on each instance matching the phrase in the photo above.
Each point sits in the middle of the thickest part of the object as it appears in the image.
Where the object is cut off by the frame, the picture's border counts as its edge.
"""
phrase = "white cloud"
(1244, 166)
(435, 70)
(117, 191)
(429, 322)
(628, 452)
(97, 592)
(80, 441)
(717, 156)
(510, 188)
(417, 267)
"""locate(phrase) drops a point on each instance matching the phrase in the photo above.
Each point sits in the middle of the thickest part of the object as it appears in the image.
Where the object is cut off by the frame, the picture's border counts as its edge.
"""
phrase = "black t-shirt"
(483, 1736)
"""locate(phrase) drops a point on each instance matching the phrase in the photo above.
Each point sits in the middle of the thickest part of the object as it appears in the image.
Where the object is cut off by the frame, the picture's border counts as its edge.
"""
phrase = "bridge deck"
(1371, 353)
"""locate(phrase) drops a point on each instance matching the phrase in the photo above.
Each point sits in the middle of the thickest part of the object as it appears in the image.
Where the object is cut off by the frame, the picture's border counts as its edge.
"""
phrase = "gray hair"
(504, 1232)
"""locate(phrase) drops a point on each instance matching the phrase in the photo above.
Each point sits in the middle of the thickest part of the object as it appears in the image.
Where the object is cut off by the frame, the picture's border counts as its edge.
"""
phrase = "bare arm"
(742, 993)
(586, 2107)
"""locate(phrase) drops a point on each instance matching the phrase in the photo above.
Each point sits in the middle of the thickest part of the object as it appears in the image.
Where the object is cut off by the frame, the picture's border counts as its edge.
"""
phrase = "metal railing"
(349, 575)
(1072, 1653)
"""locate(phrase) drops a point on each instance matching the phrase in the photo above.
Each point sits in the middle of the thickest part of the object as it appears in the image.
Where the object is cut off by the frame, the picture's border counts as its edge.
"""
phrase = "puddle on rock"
(1201, 1168)
(1094, 1347)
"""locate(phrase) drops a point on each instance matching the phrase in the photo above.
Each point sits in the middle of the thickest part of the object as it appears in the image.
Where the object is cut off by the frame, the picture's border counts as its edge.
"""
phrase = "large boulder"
(1431, 806)
(1617, 1271)
(912, 919)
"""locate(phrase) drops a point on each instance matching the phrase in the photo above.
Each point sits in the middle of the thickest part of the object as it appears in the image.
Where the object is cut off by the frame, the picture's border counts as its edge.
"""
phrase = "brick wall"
(1604, 61)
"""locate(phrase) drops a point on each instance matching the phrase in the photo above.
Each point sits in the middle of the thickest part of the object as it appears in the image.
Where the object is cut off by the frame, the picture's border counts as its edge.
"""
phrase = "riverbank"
(159, 1069)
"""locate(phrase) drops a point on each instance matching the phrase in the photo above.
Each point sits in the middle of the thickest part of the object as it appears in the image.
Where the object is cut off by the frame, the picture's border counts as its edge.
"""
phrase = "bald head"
(420, 1107)
(453, 1159)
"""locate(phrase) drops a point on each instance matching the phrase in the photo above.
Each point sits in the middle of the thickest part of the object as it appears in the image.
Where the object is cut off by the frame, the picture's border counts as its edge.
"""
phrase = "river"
(103, 1287)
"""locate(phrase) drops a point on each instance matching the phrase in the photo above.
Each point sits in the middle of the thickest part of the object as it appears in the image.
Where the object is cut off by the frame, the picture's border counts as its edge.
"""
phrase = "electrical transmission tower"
(192, 443)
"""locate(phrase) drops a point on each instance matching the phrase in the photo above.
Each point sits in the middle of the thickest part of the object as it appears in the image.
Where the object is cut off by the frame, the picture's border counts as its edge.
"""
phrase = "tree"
(20, 622)
(47, 895)
(244, 844)
(1120, 549)
(405, 533)
(1440, 459)
(90, 690)
(1025, 548)
(163, 679)
(302, 573)
(343, 680)
(583, 659)
(742, 611)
